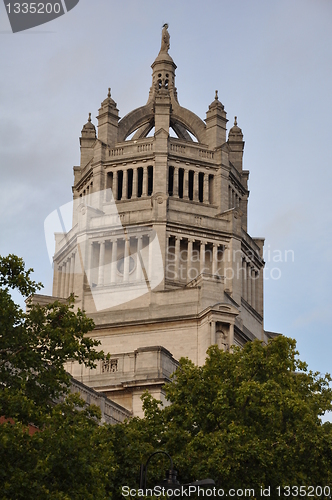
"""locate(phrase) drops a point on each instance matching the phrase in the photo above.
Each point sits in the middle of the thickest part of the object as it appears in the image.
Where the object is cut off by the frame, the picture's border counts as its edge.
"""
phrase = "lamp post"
(170, 482)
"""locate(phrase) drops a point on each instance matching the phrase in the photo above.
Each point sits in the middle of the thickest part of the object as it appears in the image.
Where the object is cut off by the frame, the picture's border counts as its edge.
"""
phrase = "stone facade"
(159, 254)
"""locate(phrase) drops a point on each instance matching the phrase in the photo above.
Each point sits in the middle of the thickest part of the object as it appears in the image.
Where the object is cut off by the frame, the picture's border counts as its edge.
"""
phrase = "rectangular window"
(200, 186)
(139, 182)
(191, 185)
(120, 184)
(150, 181)
(170, 180)
(130, 174)
(181, 179)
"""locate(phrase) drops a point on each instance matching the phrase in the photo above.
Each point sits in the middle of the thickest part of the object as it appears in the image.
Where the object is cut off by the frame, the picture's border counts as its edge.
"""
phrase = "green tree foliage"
(249, 418)
(35, 345)
(71, 456)
(69, 459)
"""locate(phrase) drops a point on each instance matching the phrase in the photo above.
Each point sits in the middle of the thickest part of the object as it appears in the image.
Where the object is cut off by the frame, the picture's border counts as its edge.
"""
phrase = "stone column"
(89, 263)
(101, 262)
(189, 259)
(67, 277)
(64, 284)
(176, 182)
(206, 198)
(253, 288)
(186, 184)
(135, 182)
(115, 185)
(124, 185)
(259, 291)
(72, 273)
(231, 336)
(249, 283)
(59, 289)
(169, 262)
(244, 279)
(213, 339)
(138, 262)
(126, 260)
(145, 181)
(63, 279)
(177, 256)
(114, 261)
(195, 185)
(150, 276)
(214, 258)
(202, 257)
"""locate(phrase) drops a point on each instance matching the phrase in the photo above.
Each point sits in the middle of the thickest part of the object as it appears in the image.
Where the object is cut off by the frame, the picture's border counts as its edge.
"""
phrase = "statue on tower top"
(165, 39)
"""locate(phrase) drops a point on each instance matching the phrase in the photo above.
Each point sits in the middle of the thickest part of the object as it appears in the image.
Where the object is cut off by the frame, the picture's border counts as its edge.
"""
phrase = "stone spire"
(216, 122)
(87, 141)
(108, 118)
(89, 130)
(236, 145)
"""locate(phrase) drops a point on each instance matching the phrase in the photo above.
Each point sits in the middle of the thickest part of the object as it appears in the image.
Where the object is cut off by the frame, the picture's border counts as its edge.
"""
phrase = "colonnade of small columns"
(234, 199)
(130, 183)
(66, 276)
(186, 263)
(190, 184)
(88, 190)
(104, 269)
(103, 260)
(250, 285)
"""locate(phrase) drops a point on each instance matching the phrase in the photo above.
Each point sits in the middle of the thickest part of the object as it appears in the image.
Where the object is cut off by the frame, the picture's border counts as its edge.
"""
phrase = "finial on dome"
(109, 92)
(216, 95)
(89, 119)
(235, 121)
(165, 39)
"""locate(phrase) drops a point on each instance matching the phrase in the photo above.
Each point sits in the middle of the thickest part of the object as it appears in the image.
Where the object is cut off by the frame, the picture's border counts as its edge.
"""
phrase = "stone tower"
(159, 255)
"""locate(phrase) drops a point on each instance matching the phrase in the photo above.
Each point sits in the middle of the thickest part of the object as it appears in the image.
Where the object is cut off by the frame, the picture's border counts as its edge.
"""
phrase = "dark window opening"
(200, 186)
(191, 185)
(211, 177)
(150, 181)
(181, 178)
(120, 184)
(139, 182)
(130, 174)
(170, 180)
(166, 84)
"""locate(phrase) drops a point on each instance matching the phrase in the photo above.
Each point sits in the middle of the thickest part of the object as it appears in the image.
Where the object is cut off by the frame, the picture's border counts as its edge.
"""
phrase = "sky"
(271, 62)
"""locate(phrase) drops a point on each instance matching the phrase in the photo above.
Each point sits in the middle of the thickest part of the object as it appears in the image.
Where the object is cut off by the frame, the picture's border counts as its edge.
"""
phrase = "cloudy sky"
(272, 64)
